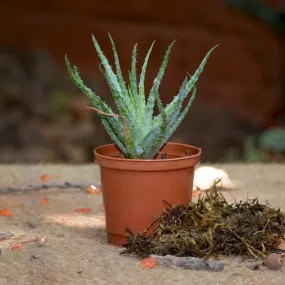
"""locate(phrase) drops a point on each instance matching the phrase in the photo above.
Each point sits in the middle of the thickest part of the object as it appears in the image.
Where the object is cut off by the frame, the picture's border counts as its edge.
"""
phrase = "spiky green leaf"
(180, 118)
(133, 98)
(155, 145)
(124, 91)
(133, 80)
(151, 99)
(148, 140)
(110, 129)
(128, 116)
(111, 124)
(142, 79)
(135, 132)
(107, 66)
(175, 106)
(194, 79)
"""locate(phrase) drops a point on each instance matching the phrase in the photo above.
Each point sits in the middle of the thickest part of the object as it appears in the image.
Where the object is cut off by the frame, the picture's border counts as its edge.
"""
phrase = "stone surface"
(75, 249)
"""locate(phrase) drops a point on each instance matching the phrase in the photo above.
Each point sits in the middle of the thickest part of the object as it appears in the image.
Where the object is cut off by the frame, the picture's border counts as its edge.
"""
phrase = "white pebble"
(206, 175)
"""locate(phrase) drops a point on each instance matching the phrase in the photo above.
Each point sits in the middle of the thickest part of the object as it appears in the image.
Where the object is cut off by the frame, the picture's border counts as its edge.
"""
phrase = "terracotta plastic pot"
(134, 190)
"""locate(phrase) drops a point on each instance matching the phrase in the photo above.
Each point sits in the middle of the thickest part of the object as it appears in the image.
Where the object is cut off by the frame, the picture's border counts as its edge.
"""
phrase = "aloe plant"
(135, 130)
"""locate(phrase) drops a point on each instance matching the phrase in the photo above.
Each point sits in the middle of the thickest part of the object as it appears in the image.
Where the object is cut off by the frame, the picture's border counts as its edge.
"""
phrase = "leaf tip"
(66, 59)
(110, 37)
(94, 39)
(214, 47)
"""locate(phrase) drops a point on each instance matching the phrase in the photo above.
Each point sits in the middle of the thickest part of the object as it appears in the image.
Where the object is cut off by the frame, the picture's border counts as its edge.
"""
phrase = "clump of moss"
(210, 227)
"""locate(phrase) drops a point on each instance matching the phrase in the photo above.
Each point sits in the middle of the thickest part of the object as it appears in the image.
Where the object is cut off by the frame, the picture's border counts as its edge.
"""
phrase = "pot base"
(116, 239)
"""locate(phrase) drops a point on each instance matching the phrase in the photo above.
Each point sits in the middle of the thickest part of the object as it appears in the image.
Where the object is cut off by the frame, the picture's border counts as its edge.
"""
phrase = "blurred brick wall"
(242, 74)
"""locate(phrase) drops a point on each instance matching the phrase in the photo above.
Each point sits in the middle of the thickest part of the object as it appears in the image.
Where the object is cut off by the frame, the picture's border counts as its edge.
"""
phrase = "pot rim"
(198, 154)
(157, 164)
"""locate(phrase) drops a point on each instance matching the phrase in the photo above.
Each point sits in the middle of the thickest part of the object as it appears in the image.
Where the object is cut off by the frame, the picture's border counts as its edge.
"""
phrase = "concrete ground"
(76, 251)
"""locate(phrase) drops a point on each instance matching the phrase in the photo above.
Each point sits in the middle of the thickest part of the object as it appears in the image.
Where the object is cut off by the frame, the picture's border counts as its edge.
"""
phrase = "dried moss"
(211, 226)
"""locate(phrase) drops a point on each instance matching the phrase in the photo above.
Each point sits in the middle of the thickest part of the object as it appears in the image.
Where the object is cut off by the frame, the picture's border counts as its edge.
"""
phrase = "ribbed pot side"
(134, 190)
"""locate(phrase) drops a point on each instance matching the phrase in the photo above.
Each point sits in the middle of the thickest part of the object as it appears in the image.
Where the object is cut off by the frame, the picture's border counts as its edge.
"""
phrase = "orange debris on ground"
(92, 189)
(45, 177)
(83, 210)
(44, 201)
(6, 212)
(148, 263)
(18, 246)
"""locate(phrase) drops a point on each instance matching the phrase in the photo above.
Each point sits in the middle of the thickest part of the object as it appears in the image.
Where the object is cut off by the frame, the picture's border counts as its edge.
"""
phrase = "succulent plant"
(135, 130)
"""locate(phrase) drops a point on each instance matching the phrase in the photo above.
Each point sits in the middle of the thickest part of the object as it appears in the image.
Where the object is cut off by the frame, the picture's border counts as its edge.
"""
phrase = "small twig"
(234, 274)
(153, 223)
(6, 235)
(106, 114)
(61, 185)
(128, 231)
(250, 248)
(262, 231)
(189, 262)
(254, 265)
(169, 205)
(126, 128)
(163, 156)
(188, 153)
(36, 239)
(278, 250)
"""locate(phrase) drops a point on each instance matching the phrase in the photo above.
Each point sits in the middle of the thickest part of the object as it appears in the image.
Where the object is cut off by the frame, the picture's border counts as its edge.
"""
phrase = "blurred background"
(239, 111)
